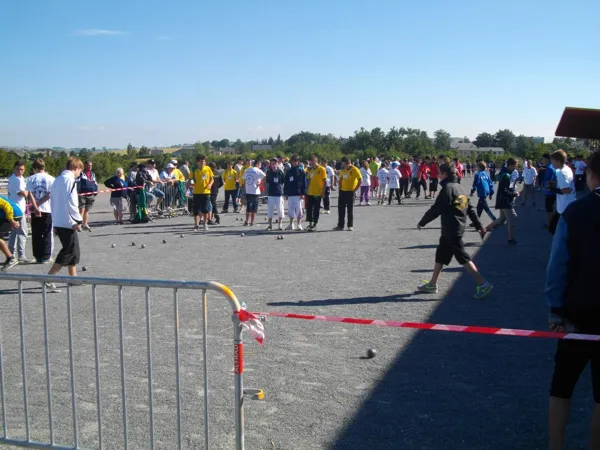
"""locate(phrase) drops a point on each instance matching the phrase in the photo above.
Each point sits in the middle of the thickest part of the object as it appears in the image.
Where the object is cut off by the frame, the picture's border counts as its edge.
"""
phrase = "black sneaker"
(218, 220)
(512, 242)
(10, 263)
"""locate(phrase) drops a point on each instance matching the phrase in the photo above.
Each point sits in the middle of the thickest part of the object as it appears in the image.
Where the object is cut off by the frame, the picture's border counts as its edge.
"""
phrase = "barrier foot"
(254, 394)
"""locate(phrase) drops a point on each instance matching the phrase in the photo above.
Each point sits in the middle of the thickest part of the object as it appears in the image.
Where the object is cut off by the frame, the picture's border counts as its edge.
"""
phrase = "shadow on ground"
(460, 391)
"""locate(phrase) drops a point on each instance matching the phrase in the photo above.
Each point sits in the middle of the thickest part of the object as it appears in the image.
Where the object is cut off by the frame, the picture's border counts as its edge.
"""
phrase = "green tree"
(484, 140)
(524, 146)
(505, 139)
(442, 140)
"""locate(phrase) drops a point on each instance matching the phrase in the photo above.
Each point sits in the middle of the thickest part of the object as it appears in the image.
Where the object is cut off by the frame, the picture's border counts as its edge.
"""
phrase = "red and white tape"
(110, 190)
(438, 327)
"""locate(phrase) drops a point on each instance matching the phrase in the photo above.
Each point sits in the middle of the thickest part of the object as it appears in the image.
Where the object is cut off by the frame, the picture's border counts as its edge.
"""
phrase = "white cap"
(173, 161)
(170, 166)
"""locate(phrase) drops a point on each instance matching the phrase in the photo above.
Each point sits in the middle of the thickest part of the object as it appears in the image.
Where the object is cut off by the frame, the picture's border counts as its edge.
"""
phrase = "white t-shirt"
(39, 185)
(366, 176)
(579, 167)
(16, 185)
(394, 176)
(382, 176)
(565, 179)
(330, 173)
(529, 174)
(514, 176)
(154, 174)
(252, 177)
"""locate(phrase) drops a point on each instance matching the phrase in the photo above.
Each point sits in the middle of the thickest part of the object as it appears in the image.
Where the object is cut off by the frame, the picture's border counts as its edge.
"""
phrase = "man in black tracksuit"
(452, 205)
(574, 302)
(295, 189)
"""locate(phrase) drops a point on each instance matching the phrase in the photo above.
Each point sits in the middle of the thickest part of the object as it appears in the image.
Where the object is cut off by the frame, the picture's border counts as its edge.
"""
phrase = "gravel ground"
(424, 389)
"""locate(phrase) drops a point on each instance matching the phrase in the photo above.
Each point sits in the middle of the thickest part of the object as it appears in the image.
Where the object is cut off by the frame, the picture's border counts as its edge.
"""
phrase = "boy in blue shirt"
(482, 183)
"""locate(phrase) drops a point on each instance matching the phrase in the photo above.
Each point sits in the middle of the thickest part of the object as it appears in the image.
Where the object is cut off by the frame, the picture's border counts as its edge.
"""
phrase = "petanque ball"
(371, 353)
(164, 241)
(181, 236)
(243, 234)
(84, 269)
(143, 246)
(113, 246)
(133, 244)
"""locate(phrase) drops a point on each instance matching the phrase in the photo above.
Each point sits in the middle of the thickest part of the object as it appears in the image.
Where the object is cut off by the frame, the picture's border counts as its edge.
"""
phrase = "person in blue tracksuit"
(483, 185)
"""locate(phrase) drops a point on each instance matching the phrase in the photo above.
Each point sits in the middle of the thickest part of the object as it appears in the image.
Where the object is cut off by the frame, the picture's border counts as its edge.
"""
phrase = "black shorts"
(69, 254)
(570, 360)
(202, 204)
(449, 247)
(251, 203)
(86, 202)
(433, 185)
(550, 200)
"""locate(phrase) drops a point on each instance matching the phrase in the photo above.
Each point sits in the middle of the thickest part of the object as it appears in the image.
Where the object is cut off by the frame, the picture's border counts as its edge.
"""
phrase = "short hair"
(39, 164)
(295, 158)
(314, 157)
(448, 169)
(212, 165)
(119, 169)
(481, 165)
(345, 159)
(230, 162)
(546, 156)
(74, 163)
(257, 163)
(560, 156)
(593, 163)
(19, 163)
(510, 162)
(200, 158)
(88, 161)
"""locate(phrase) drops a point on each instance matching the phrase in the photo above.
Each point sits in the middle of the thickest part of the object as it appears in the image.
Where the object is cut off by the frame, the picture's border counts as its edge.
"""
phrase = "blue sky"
(105, 72)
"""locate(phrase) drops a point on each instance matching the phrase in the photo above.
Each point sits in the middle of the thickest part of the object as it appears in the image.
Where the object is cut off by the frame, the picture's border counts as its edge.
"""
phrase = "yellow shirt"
(349, 178)
(229, 177)
(178, 175)
(317, 177)
(202, 180)
(242, 181)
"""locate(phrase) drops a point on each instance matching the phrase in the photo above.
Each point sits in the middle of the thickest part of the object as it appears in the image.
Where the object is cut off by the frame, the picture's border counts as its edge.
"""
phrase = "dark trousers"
(346, 201)
(397, 192)
(482, 205)
(232, 194)
(422, 184)
(313, 205)
(404, 186)
(213, 204)
(579, 182)
(327, 199)
(41, 236)
(415, 186)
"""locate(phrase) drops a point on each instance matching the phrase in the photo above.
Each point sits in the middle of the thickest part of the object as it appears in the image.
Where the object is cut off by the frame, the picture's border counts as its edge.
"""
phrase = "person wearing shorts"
(118, 197)
(253, 179)
(89, 188)
(203, 180)
(294, 188)
(572, 299)
(66, 218)
(453, 206)
(274, 181)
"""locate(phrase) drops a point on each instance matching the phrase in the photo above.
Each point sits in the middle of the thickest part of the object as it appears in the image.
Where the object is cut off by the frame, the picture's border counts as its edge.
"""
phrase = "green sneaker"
(483, 290)
(428, 288)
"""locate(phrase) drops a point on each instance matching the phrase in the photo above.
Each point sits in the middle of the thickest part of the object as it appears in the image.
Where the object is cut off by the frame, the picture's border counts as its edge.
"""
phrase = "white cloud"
(99, 32)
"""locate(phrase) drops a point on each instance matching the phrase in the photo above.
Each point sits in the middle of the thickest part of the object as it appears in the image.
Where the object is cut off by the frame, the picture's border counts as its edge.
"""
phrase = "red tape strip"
(439, 327)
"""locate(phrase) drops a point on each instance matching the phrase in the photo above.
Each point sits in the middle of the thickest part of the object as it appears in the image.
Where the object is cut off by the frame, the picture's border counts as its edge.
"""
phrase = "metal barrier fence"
(23, 338)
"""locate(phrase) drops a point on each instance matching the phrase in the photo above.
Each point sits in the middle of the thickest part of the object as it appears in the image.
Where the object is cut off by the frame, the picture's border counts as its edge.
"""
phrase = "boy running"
(483, 185)
(453, 206)
(505, 201)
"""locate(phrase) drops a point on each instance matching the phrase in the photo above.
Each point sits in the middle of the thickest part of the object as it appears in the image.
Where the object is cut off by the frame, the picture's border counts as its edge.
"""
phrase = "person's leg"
(4, 249)
(341, 209)
(309, 209)
(501, 220)
(524, 195)
(391, 194)
(317, 209)
(480, 207)
(368, 194)
(437, 270)
(350, 206)
(511, 218)
(398, 197)
(327, 199)
(487, 209)
(472, 270)
(226, 204)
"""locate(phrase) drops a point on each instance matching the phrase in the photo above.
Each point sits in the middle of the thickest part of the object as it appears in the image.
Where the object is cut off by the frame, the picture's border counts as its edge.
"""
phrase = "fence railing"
(97, 293)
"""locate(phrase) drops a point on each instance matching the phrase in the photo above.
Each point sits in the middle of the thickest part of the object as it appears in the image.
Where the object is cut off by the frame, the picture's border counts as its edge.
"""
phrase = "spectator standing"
(565, 186)
(18, 194)
(350, 180)
(529, 178)
(231, 180)
(580, 167)
(118, 199)
(549, 192)
(66, 218)
(573, 302)
(274, 180)
(365, 185)
(406, 171)
(39, 186)
(86, 185)
(253, 179)
(294, 189)
(203, 180)
(329, 186)
(317, 177)
(214, 193)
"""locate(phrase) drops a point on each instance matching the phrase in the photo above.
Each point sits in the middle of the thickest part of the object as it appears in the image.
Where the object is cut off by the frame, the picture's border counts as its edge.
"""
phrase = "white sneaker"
(368, 203)
(327, 212)
(205, 227)
(300, 228)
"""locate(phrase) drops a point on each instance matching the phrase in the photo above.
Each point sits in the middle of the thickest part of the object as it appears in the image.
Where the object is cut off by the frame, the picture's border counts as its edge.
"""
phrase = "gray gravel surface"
(423, 390)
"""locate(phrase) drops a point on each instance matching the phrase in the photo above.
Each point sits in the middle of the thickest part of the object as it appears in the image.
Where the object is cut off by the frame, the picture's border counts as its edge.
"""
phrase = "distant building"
(156, 151)
(537, 140)
(225, 151)
(259, 147)
(471, 150)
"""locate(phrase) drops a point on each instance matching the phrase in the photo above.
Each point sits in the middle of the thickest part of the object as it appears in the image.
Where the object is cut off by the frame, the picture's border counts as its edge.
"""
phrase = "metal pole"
(238, 367)
(205, 349)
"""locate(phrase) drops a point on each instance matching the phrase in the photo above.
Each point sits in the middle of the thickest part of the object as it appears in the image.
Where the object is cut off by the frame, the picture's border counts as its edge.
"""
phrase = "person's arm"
(436, 209)
(359, 179)
(475, 183)
(324, 182)
(557, 275)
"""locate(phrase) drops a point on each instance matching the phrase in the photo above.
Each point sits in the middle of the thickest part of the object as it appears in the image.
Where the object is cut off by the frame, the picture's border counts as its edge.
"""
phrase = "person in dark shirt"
(452, 206)
(295, 190)
(505, 202)
(274, 183)
(214, 193)
(549, 181)
(118, 197)
(574, 304)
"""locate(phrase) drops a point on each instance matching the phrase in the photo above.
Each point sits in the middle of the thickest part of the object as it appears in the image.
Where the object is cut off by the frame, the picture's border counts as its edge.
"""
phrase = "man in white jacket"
(66, 218)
